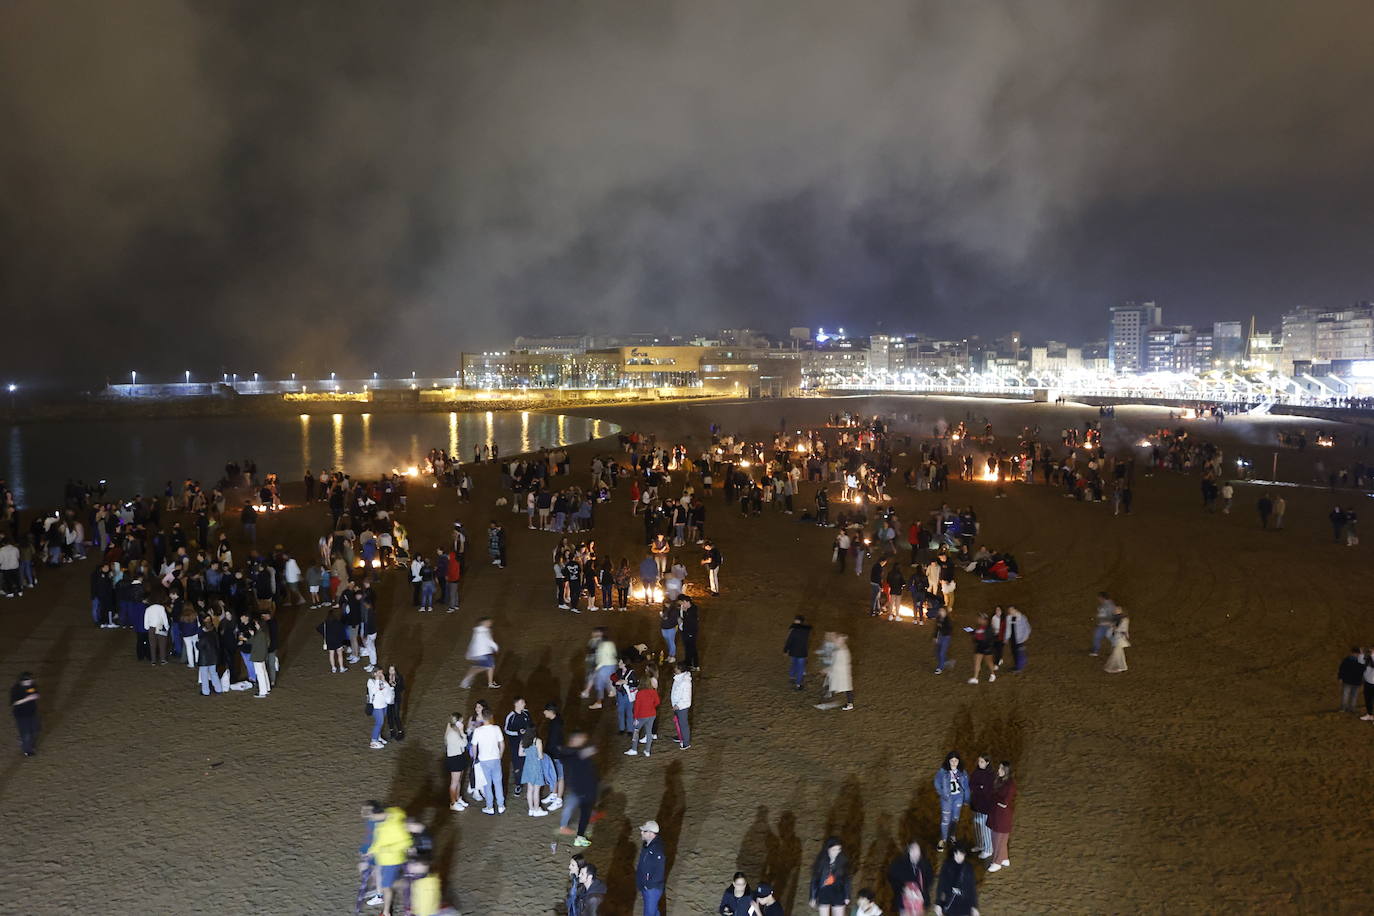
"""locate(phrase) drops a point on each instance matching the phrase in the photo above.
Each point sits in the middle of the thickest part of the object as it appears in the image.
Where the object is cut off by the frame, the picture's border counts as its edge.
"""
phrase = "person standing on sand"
(456, 760)
(952, 786)
(488, 747)
(379, 696)
(1121, 641)
(24, 706)
(1280, 507)
(646, 704)
(680, 696)
(999, 821)
(482, 649)
(690, 617)
(1367, 656)
(796, 648)
(1265, 505)
(651, 868)
(1351, 676)
(980, 801)
(712, 560)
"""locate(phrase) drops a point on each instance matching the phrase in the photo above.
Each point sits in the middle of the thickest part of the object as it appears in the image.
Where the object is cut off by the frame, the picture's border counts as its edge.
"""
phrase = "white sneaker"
(501, 809)
(539, 812)
(374, 900)
(648, 754)
(973, 680)
(995, 866)
(376, 745)
(457, 806)
(644, 740)
(1005, 863)
(632, 753)
(991, 678)
(488, 811)
(556, 803)
(1367, 718)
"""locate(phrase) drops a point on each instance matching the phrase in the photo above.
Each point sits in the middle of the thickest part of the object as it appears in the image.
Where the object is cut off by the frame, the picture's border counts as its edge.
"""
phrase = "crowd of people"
(168, 573)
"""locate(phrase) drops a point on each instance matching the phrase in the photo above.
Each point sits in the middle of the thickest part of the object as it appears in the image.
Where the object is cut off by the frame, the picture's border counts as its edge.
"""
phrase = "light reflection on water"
(140, 456)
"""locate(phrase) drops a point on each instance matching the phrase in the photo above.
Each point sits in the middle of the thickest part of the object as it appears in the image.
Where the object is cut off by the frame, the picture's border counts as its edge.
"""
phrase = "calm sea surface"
(140, 456)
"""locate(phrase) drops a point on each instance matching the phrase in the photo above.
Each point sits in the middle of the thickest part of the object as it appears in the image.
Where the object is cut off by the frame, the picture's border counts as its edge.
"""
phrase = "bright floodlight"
(11, 387)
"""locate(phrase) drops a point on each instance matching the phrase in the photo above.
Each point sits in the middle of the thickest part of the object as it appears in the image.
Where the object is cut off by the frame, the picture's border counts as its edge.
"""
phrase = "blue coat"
(942, 787)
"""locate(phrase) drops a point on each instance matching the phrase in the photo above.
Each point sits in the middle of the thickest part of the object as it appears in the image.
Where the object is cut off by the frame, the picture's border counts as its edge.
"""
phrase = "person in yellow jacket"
(390, 844)
(425, 896)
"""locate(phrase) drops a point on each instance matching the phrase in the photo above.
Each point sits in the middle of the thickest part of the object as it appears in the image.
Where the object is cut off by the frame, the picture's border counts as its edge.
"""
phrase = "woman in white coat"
(1120, 637)
(840, 676)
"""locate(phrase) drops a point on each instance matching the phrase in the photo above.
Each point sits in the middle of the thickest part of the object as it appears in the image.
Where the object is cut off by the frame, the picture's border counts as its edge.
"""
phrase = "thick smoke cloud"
(360, 186)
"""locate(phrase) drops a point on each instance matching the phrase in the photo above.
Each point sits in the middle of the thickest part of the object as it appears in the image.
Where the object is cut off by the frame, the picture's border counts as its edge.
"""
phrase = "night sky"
(314, 185)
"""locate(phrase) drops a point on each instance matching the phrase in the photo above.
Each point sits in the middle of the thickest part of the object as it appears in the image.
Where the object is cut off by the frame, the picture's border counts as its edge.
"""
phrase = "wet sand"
(1214, 776)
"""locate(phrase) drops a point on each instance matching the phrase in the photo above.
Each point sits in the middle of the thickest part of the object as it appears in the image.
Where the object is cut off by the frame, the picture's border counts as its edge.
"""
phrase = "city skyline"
(395, 187)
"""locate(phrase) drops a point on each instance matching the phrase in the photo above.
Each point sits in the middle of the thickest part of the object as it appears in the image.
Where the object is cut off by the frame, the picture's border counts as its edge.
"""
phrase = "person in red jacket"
(453, 574)
(646, 713)
(999, 821)
(914, 535)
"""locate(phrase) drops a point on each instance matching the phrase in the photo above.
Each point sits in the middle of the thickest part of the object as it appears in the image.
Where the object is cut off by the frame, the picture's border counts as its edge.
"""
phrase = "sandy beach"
(1215, 776)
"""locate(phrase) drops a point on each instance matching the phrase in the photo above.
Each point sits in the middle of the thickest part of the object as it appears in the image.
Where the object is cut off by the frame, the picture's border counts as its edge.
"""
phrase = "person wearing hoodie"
(591, 891)
(680, 695)
(980, 800)
(796, 648)
(912, 881)
(951, 785)
(958, 892)
(390, 844)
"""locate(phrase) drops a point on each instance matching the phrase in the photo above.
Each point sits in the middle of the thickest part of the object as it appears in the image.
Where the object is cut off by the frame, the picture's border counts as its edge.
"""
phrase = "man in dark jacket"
(797, 647)
(591, 891)
(1351, 676)
(651, 869)
(103, 598)
(910, 874)
(691, 627)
